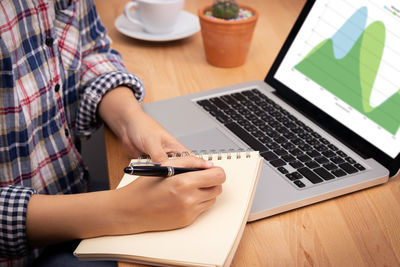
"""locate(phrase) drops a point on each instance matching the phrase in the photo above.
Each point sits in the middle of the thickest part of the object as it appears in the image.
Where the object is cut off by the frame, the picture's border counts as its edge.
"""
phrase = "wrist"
(125, 214)
(118, 108)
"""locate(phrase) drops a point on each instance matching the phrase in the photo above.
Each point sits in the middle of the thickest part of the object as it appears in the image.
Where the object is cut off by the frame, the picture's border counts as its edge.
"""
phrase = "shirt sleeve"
(13, 205)
(102, 70)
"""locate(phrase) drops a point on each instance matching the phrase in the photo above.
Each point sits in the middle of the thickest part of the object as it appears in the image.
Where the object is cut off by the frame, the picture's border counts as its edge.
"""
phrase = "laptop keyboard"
(300, 154)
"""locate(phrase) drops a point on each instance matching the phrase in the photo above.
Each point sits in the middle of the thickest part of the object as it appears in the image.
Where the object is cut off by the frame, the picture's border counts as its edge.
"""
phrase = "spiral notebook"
(211, 240)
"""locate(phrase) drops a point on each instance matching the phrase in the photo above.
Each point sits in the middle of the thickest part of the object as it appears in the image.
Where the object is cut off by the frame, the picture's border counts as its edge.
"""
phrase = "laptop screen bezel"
(334, 127)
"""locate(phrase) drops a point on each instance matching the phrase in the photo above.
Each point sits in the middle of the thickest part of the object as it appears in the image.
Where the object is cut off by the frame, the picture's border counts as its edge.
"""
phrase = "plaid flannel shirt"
(55, 65)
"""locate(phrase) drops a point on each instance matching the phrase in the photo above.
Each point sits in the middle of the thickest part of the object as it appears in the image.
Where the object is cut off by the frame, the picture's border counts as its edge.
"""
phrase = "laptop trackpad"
(211, 139)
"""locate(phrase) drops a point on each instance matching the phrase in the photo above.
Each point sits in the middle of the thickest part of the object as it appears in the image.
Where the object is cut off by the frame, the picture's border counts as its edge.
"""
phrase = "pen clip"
(132, 164)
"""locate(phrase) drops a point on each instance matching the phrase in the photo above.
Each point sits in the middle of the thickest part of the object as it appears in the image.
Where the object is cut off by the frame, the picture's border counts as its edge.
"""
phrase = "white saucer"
(187, 25)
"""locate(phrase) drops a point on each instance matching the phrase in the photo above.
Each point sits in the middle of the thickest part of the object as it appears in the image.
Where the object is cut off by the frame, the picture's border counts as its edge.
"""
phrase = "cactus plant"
(225, 9)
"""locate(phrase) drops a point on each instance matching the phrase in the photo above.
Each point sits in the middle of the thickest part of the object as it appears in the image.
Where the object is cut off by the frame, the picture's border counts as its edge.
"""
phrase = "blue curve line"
(346, 37)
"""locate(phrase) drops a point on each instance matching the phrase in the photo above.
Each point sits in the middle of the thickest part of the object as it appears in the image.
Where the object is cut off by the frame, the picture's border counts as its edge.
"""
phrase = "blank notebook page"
(208, 241)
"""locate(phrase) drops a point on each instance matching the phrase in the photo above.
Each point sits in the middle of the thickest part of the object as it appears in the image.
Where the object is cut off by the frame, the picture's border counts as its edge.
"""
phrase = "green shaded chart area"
(351, 77)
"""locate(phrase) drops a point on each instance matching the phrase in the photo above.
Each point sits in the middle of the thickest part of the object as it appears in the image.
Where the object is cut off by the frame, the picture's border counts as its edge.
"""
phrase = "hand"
(138, 131)
(155, 203)
(144, 135)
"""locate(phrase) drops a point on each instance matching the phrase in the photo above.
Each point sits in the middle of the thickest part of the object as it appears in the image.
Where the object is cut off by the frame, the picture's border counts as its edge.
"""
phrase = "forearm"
(118, 108)
(56, 218)
(146, 204)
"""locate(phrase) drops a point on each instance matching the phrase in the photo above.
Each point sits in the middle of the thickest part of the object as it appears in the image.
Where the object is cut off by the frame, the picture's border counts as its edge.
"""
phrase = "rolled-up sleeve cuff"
(13, 205)
(87, 121)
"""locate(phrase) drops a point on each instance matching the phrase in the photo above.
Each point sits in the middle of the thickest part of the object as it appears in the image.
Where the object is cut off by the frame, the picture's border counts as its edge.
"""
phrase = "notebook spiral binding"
(206, 154)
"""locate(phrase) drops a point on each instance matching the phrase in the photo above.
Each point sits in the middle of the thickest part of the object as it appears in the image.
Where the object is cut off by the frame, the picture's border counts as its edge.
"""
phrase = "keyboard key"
(250, 116)
(259, 123)
(290, 125)
(305, 136)
(300, 123)
(246, 137)
(281, 152)
(330, 166)
(277, 163)
(359, 167)
(265, 128)
(216, 113)
(288, 158)
(308, 129)
(258, 134)
(249, 93)
(265, 139)
(280, 139)
(337, 160)
(272, 133)
(310, 175)
(283, 170)
(296, 164)
(296, 152)
(323, 173)
(351, 160)
(294, 176)
(329, 154)
(324, 141)
(281, 129)
(304, 158)
(332, 147)
(239, 118)
(312, 164)
(298, 141)
(228, 99)
(230, 112)
(298, 130)
(321, 160)
(273, 145)
(313, 142)
(250, 128)
(348, 168)
(321, 148)
(314, 153)
(239, 97)
(289, 135)
(269, 155)
(288, 146)
(339, 173)
(305, 147)
(219, 103)
(299, 183)
(341, 153)
(316, 135)
(209, 106)
(223, 119)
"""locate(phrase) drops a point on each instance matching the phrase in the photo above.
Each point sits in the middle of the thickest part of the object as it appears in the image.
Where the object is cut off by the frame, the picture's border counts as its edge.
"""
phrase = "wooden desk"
(359, 229)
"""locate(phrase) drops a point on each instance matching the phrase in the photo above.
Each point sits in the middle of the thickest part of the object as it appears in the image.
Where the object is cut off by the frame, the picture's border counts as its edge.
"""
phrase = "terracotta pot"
(227, 43)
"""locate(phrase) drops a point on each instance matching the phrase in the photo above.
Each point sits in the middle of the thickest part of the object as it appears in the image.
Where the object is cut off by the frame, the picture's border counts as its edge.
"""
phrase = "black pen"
(157, 170)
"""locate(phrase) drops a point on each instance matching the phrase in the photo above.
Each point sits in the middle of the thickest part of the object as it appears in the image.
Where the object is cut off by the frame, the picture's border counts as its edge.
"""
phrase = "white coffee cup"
(154, 16)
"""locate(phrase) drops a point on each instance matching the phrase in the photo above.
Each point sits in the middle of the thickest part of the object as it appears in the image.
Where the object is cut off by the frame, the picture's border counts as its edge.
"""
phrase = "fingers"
(209, 178)
(188, 162)
(157, 154)
(159, 147)
(203, 206)
(201, 179)
(210, 193)
(173, 145)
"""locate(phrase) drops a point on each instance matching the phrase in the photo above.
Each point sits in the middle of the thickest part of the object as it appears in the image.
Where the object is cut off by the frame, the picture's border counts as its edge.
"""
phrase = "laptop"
(325, 119)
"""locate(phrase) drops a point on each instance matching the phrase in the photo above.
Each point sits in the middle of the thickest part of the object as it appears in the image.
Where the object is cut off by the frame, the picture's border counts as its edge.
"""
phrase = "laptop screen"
(345, 60)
